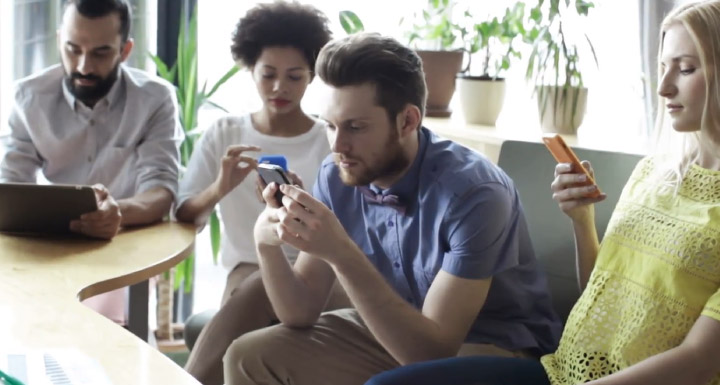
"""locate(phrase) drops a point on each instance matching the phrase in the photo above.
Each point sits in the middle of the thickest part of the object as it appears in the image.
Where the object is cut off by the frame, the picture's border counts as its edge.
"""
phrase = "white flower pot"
(557, 115)
(481, 99)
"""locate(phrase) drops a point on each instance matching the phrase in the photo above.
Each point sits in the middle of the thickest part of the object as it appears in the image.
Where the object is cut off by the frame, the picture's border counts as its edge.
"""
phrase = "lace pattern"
(658, 269)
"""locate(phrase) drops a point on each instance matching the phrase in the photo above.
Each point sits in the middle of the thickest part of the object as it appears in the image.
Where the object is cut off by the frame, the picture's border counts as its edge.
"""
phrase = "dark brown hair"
(394, 69)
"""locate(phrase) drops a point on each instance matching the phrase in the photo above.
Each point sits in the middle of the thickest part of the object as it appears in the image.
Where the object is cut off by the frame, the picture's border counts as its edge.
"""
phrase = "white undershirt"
(240, 208)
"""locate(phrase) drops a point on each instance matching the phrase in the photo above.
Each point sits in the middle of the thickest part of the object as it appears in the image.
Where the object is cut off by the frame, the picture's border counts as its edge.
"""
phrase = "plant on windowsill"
(184, 74)
(482, 89)
(438, 38)
(553, 65)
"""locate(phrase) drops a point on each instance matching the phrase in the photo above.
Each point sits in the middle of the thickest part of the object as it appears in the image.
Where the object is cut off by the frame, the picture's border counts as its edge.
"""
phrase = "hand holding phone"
(273, 173)
(564, 154)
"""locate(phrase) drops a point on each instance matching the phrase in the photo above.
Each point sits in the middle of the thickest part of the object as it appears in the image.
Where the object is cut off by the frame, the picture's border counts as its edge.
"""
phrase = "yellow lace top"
(657, 271)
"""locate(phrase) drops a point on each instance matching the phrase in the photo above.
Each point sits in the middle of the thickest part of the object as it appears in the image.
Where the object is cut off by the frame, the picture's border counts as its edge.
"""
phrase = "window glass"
(615, 104)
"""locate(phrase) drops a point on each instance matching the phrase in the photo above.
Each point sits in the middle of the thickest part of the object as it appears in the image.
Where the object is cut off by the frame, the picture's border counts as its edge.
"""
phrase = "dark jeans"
(473, 370)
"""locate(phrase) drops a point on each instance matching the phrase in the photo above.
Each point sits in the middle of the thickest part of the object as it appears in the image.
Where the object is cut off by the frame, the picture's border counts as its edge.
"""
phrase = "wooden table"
(42, 281)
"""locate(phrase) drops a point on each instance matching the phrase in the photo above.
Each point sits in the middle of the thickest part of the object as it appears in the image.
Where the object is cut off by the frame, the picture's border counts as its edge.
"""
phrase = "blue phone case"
(278, 160)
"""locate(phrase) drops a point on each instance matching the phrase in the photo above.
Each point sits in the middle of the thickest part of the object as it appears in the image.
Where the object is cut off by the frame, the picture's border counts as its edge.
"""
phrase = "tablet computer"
(43, 209)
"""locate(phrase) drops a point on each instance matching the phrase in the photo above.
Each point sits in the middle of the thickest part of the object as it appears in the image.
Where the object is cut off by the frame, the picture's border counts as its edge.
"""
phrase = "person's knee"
(247, 344)
(251, 350)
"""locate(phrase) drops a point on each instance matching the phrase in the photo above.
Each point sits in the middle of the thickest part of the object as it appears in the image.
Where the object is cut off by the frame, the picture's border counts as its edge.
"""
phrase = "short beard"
(395, 162)
(90, 95)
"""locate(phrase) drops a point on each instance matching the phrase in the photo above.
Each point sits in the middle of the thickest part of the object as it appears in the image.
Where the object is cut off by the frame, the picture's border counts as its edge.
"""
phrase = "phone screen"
(272, 173)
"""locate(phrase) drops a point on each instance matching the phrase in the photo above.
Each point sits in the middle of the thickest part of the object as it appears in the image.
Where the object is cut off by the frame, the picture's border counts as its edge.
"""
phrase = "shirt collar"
(108, 100)
(407, 185)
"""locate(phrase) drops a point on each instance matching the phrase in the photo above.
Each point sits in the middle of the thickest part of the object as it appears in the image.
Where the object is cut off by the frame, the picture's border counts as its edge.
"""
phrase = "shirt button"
(397, 265)
(89, 158)
(391, 223)
(92, 122)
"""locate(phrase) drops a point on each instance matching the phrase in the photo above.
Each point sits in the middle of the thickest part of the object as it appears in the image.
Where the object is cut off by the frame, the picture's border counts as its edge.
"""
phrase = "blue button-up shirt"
(463, 216)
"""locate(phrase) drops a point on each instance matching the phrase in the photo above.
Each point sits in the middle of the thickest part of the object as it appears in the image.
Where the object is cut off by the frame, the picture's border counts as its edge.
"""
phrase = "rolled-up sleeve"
(22, 160)
(158, 153)
(483, 233)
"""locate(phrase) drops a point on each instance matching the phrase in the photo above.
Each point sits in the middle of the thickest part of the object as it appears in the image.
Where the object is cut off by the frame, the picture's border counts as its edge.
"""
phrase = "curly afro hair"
(280, 23)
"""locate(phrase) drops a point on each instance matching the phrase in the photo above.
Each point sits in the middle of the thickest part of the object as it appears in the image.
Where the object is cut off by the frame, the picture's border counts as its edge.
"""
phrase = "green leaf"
(350, 22)
(180, 272)
(215, 105)
(162, 68)
(189, 273)
(536, 15)
(592, 49)
(215, 235)
(191, 107)
(229, 74)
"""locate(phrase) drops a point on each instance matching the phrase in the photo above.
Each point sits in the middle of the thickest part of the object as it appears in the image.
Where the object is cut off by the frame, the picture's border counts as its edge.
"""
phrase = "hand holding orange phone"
(564, 154)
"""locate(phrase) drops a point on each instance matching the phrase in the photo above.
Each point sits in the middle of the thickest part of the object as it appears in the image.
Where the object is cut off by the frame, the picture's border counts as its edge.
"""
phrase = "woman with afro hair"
(278, 43)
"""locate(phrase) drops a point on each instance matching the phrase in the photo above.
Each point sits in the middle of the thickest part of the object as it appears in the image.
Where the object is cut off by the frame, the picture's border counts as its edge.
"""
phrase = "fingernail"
(592, 188)
(582, 178)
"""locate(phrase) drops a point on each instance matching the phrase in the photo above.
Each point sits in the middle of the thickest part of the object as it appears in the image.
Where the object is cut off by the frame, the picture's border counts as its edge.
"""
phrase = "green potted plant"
(437, 36)
(438, 40)
(184, 74)
(482, 87)
(553, 65)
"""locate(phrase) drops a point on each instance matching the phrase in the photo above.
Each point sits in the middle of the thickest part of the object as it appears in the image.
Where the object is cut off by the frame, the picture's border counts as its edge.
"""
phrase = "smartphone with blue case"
(278, 160)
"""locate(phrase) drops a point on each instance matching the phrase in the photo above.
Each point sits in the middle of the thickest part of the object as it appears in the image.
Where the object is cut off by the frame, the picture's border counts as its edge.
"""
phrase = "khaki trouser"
(245, 307)
(338, 350)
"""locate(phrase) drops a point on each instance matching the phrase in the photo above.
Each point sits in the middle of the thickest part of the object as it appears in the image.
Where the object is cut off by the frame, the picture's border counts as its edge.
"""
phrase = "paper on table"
(53, 367)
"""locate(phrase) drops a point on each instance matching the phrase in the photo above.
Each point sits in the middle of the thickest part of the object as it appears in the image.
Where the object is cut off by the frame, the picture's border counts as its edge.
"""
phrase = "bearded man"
(91, 120)
(427, 238)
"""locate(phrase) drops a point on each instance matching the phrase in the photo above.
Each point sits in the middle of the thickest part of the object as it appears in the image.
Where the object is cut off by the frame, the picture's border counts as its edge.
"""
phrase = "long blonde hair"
(702, 21)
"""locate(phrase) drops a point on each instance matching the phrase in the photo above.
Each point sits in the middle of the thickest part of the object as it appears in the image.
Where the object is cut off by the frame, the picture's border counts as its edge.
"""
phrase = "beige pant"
(338, 350)
(245, 307)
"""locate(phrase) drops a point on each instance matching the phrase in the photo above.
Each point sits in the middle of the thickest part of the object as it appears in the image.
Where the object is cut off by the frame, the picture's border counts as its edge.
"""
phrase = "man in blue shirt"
(427, 237)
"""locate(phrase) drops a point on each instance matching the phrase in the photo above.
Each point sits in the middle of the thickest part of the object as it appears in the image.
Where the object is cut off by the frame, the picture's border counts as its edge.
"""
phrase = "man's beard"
(89, 95)
(395, 162)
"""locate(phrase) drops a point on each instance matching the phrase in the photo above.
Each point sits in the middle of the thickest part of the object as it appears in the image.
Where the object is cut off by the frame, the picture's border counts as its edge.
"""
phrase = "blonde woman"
(650, 308)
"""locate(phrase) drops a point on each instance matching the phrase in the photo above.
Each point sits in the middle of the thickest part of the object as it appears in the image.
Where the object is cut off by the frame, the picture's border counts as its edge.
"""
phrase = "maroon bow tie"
(380, 199)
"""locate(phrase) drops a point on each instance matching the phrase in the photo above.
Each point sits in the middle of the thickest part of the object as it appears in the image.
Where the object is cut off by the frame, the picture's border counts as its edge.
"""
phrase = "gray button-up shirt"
(128, 141)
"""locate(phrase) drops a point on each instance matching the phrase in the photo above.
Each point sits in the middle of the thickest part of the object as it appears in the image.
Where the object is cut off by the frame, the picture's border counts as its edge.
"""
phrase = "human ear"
(408, 120)
(126, 49)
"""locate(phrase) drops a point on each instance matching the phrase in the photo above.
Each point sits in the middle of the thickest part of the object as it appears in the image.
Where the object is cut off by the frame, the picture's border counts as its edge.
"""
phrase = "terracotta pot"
(481, 98)
(440, 68)
(557, 116)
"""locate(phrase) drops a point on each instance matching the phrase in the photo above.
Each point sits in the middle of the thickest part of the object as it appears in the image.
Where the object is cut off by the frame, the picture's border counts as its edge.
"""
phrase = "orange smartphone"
(564, 154)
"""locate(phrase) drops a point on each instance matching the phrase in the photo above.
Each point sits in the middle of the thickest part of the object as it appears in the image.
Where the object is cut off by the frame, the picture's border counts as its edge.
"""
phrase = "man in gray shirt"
(92, 120)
